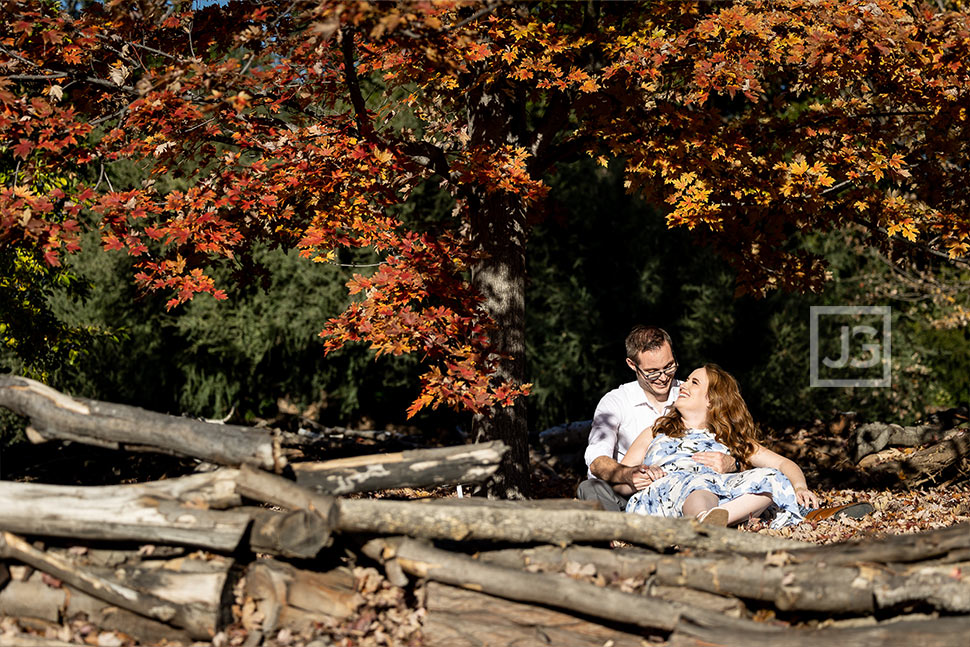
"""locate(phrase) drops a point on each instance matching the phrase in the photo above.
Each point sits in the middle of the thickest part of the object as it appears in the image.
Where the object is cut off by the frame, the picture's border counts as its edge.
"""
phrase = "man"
(626, 411)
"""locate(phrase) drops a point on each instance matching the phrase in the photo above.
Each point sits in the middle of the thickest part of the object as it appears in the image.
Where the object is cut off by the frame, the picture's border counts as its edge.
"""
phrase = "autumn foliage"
(304, 124)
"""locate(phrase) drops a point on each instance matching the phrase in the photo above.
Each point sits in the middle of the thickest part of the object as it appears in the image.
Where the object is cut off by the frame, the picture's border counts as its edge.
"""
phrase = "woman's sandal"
(851, 510)
(714, 517)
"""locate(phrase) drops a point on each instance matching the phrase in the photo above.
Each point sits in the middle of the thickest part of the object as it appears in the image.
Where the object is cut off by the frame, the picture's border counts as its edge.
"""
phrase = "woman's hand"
(717, 461)
(806, 498)
(646, 475)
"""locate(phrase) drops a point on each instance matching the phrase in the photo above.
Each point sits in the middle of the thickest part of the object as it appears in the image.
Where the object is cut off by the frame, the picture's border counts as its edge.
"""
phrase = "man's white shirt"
(620, 417)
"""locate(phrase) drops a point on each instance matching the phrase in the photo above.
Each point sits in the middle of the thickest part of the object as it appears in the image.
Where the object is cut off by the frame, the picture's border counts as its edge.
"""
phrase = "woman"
(710, 415)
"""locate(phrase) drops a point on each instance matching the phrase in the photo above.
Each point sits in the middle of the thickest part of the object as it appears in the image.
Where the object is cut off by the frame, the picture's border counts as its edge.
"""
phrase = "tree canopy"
(305, 124)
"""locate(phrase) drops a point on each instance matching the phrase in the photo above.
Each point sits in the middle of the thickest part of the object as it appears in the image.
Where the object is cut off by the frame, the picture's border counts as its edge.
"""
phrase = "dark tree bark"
(498, 231)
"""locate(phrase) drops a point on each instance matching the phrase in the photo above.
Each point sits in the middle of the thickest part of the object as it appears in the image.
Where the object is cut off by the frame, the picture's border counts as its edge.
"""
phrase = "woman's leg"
(742, 508)
(700, 501)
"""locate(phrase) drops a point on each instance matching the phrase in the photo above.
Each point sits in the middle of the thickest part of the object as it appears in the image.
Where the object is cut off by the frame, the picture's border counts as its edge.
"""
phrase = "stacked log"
(269, 542)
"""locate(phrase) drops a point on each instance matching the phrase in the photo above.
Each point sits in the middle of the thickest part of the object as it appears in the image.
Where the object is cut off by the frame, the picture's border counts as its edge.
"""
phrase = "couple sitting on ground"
(663, 447)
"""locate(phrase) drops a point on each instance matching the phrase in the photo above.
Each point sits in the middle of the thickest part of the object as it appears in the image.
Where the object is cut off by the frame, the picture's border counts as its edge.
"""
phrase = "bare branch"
(65, 75)
(484, 11)
(18, 57)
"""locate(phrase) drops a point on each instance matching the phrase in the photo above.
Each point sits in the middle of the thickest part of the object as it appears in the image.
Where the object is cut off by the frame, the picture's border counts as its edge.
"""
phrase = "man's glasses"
(653, 376)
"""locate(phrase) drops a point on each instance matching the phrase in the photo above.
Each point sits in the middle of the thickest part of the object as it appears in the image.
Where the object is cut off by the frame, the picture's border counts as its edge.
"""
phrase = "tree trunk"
(498, 232)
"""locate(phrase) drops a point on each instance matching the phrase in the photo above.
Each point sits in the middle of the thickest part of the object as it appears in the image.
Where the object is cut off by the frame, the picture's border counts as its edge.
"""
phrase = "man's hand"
(720, 463)
(625, 479)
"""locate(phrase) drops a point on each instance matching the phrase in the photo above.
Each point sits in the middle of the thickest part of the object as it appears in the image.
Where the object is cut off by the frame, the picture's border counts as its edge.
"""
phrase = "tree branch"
(926, 248)
(422, 153)
(64, 75)
(353, 86)
(484, 11)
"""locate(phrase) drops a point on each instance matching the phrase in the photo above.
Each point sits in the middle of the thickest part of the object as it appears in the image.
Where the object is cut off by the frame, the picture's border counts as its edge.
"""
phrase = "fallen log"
(181, 581)
(938, 632)
(270, 488)
(55, 415)
(198, 619)
(303, 531)
(876, 436)
(412, 468)
(461, 618)
(925, 462)
(432, 520)
(422, 560)
(522, 504)
(941, 546)
(565, 438)
(285, 596)
(815, 586)
(620, 564)
(610, 565)
(169, 511)
(28, 640)
(299, 534)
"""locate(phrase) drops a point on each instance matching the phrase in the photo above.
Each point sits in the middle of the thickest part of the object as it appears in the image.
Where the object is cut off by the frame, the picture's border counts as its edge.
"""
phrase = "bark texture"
(170, 511)
(465, 464)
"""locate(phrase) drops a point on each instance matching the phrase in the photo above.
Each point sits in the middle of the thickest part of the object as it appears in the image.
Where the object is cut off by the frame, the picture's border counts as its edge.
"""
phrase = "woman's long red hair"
(728, 417)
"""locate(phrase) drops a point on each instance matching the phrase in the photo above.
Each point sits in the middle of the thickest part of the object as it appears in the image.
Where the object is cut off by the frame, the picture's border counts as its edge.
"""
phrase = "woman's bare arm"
(764, 457)
(638, 449)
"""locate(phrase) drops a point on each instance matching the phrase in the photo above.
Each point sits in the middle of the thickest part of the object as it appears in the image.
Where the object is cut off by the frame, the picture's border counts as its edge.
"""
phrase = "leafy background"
(599, 262)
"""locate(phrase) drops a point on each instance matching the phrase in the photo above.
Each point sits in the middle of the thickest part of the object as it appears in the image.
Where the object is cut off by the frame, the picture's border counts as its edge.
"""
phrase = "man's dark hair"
(644, 338)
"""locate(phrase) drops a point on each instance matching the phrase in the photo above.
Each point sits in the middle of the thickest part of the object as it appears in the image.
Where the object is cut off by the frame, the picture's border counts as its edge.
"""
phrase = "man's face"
(655, 364)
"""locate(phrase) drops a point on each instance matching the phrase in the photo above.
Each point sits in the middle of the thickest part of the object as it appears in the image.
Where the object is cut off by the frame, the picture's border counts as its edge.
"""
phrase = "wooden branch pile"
(167, 560)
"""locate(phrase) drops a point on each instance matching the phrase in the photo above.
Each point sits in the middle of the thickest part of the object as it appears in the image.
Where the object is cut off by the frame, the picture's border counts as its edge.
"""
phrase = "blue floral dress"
(665, 497)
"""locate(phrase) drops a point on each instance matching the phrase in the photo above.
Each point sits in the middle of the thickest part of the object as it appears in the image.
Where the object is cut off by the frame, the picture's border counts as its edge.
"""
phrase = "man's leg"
(599, 490)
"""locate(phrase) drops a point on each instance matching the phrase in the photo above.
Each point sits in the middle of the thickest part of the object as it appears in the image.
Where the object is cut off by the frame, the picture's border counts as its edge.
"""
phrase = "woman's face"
(693, 393)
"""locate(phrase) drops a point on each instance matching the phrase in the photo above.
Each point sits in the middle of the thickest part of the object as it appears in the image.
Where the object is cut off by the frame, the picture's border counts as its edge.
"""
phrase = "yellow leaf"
(799, 167)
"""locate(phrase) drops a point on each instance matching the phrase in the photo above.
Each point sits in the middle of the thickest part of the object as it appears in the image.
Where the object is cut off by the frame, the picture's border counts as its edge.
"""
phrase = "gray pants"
(600, 490)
